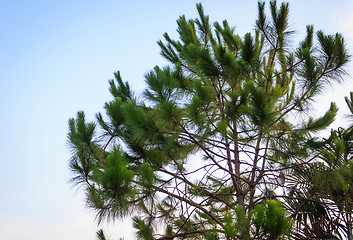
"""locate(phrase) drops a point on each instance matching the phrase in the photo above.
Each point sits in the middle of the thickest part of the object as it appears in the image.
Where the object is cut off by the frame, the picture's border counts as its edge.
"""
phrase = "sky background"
(56, 58)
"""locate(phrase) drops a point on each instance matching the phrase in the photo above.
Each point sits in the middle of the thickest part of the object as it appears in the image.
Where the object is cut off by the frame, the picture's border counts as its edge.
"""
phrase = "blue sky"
(56, 58)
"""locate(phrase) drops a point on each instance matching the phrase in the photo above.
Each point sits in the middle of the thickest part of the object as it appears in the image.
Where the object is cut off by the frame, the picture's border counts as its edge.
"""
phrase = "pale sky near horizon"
(56, 58)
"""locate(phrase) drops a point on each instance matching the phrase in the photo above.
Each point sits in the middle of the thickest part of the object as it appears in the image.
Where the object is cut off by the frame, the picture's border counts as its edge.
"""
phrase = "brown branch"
(196, 205)
(183, 234)
(198, 187)
(253, 172)
(238, 186)
(106, 145)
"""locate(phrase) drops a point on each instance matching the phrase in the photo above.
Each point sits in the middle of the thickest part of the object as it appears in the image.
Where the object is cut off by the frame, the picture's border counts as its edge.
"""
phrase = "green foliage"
(324, 121)
(144, 231)
(115, 177)
(100, 235)
(113, 188)
(270, 221)
(222, 143)
(123, 90)
(80, 132)
(265, 221)
(147, 177)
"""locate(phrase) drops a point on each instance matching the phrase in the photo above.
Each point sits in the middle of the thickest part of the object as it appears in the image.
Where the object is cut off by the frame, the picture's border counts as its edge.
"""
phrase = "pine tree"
(221, 144)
